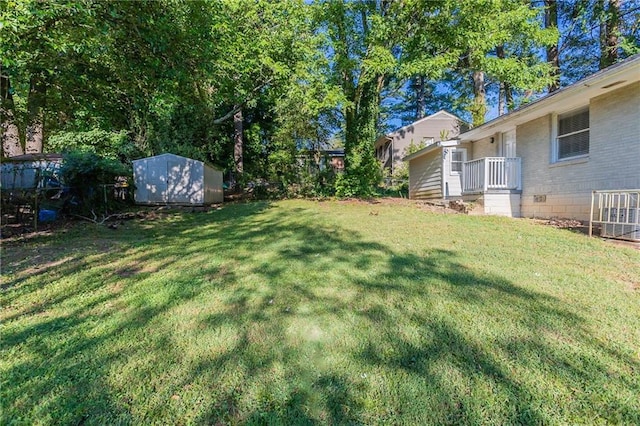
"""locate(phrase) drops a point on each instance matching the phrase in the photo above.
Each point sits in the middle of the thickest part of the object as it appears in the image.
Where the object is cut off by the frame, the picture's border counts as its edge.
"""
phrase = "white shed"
(172, 179)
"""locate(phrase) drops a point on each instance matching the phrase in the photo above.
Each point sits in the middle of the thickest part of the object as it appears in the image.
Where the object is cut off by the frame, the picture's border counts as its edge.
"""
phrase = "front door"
(508, 145)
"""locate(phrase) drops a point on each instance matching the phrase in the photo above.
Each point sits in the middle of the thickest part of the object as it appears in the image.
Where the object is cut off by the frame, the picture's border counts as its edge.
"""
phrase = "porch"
(493, 184)
(491, 173)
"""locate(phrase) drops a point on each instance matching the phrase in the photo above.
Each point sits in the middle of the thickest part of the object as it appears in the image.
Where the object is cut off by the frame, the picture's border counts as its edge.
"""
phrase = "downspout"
(392, 157)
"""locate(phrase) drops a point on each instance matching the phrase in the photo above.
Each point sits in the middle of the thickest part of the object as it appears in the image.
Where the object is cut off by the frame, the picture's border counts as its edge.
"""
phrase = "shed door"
(177, 182)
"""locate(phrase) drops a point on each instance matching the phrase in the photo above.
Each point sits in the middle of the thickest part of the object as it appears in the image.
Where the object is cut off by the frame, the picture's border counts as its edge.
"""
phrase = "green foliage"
(112, 145)
(90, 179)
(169, 72)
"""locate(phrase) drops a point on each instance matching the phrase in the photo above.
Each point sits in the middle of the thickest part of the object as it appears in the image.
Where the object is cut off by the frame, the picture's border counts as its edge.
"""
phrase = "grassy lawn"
(301, 312)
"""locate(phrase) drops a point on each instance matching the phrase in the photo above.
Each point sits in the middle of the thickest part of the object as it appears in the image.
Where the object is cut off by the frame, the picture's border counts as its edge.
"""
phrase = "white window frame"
(555, 145)
(462, 151)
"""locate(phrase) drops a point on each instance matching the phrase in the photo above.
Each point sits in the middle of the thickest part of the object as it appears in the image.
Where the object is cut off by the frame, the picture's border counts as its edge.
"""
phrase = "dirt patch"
(430, 206)
(569, 224)
(583, 228)
(135, 269)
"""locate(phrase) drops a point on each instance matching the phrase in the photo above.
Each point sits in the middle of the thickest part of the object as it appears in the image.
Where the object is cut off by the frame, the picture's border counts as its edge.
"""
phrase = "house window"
(573, 135)
(457, 158)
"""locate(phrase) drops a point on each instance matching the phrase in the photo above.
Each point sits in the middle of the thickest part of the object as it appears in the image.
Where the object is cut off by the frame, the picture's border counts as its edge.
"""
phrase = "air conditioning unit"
(619, 224)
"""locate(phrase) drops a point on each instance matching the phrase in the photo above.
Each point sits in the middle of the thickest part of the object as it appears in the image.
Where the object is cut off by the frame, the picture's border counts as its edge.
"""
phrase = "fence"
(29, 206)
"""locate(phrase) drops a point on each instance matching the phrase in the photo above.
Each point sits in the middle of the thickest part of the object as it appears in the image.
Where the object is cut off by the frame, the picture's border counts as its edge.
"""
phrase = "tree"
(594, 35)
(553, 56)
(481, 42)
(609, 32)
(11, 145)
(40, 41)
(361, 39)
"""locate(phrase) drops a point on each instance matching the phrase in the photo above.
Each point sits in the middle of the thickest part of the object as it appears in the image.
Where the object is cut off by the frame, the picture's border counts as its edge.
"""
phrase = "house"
(317, 160)
(172, 179)
(391, 148)
(546, 158)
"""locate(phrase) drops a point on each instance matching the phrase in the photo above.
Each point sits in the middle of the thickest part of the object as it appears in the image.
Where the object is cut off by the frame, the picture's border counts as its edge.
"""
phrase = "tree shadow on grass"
(265, 316)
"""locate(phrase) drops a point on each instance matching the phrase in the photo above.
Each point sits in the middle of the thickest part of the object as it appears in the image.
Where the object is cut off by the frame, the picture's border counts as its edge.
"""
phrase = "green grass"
(301, 312)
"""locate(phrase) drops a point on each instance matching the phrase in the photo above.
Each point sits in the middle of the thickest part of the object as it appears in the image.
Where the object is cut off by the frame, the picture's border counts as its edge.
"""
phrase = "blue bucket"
(47, 215)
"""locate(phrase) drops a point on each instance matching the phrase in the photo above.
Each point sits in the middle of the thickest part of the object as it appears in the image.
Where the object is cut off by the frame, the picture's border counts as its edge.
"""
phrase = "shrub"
(113, 145)
(89, 179)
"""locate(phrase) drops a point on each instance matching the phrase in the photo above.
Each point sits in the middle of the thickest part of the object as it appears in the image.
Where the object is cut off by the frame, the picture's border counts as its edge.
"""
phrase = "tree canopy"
(248, 86)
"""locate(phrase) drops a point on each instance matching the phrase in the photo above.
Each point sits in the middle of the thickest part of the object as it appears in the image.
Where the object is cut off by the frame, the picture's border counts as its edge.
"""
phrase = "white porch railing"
(488, 173)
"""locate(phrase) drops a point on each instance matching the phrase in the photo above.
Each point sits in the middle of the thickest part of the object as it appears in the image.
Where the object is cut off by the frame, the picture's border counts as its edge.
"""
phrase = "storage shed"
(172, 179)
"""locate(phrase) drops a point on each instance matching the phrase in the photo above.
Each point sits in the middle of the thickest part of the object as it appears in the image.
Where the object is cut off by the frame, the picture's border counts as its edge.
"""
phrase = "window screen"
(456, 161)
(573, 134)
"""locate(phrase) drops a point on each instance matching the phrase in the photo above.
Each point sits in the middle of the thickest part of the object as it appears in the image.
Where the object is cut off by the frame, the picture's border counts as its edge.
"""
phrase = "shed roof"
(175, 156)
(431, 147)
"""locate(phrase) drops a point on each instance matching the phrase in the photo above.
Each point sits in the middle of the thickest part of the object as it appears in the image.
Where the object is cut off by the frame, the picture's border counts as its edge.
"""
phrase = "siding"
(430, 128)
(425, 176)
(613, 161)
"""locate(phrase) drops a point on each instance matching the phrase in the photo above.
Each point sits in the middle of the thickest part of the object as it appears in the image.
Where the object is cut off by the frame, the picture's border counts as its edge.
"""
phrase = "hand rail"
(487, 173)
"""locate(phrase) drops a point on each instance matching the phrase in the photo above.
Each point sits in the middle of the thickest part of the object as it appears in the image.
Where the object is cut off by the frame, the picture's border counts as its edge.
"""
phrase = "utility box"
(172, 179)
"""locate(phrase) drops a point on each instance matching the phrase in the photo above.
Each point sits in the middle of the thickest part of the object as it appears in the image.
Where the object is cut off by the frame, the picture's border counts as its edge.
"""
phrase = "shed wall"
(212, 185)
(172, 179)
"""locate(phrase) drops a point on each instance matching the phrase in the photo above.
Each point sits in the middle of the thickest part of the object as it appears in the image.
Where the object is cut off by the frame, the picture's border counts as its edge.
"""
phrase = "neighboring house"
(172, 179)
(316, 160)
(544, 159)
(391, 148)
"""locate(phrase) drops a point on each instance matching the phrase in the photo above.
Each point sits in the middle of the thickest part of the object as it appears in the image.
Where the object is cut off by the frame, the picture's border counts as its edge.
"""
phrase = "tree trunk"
(11, 145)
(505, 94)
(501, 100)
(609, 42)
(35, 107)
(238, 142)
(479, 107)
(420, 97)
(553, 55)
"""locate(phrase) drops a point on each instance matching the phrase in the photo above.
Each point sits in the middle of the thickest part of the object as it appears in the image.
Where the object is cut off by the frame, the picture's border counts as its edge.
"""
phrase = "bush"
(113, 145)
(88, 178)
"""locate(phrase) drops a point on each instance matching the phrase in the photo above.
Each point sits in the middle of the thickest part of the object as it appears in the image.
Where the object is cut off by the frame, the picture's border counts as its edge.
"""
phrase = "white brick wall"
(484, 148)
(613, 161)
(502, 204)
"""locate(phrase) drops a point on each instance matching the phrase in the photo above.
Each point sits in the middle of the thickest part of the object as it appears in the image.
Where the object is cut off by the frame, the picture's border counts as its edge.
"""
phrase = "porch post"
(485, 184)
